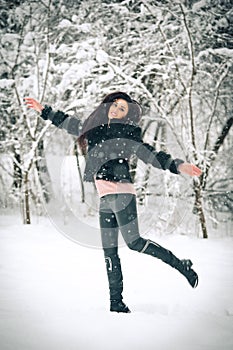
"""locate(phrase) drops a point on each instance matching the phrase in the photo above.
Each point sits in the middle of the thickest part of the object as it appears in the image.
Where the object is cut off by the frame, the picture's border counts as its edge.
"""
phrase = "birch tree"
(20, 51)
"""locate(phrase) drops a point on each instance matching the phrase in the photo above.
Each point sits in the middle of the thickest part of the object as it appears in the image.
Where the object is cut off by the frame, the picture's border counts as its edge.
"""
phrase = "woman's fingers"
(32, 103)
(196, 170)
(189, 169)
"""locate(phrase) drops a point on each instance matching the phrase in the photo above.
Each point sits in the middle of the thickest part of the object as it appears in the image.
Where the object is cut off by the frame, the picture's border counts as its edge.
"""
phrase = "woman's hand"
(189, 169)
(31, 103)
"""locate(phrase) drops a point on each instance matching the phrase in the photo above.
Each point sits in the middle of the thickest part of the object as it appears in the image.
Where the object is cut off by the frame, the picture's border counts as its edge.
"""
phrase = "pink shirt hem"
(110, 187)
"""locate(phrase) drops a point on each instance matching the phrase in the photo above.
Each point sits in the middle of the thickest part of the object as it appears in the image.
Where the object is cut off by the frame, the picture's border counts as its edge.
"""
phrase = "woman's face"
(118, 110)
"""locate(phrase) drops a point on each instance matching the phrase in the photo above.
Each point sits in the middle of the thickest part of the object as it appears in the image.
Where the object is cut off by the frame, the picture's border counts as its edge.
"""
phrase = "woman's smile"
(113, 114)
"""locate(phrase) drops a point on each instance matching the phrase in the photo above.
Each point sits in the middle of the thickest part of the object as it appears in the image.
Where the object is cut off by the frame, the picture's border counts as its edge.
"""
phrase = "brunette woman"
(108, 138)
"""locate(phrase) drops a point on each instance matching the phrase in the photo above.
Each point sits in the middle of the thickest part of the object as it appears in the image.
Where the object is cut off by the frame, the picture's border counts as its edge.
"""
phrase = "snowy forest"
(174, 57)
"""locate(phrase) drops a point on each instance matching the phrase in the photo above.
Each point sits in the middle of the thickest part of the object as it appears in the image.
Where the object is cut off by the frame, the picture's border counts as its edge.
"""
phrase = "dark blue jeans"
(118, 212)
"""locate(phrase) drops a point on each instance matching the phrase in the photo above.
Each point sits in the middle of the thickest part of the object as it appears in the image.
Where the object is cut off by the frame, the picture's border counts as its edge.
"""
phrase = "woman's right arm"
(58, 118)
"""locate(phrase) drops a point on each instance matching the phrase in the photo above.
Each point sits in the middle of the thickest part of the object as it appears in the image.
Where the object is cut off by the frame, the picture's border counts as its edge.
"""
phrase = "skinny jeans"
(118, 212)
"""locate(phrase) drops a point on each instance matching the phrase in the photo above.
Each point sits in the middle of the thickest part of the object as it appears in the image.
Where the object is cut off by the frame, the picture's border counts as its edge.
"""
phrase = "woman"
(109, 137)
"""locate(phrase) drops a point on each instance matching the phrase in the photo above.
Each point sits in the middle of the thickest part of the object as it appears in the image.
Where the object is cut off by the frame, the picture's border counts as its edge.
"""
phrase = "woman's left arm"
(163, 160)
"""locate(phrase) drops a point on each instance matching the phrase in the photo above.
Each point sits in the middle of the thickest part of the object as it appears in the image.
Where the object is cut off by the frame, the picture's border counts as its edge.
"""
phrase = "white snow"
(65, 23)
(101, 56)
(54, 294)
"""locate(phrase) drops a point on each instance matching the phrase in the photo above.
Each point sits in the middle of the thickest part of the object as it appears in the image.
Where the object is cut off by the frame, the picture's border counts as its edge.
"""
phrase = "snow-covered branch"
(217, 89)
(47, 66)
(6, 170)
(190, 88)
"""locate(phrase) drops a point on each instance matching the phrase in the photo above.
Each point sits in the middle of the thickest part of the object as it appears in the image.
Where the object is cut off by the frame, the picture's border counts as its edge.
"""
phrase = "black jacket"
(110, 148)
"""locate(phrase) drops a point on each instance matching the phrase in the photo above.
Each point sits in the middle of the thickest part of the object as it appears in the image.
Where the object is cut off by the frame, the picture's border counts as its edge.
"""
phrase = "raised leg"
(128, 225)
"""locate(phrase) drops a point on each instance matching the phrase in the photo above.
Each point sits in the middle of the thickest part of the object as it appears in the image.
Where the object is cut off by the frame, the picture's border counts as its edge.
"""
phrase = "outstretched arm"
(58, 118)
(163, 160)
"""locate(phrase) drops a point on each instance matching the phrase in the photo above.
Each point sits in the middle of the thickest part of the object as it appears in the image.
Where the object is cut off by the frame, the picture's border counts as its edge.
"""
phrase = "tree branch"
(7, 171)
(190, 89)
(218, 143)
(214, 106)
(48, 55)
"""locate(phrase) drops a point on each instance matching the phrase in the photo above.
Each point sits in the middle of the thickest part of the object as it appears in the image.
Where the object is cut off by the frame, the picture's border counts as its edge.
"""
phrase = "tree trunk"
(26, 202)
(17, 174)
(217, 145)
(198, 208)
(43, 173)
(148, 169)
(134, 159)
(79, 172)
(142, 196)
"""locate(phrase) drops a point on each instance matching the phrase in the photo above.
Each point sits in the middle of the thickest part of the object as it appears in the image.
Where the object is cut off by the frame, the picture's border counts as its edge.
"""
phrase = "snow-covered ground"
(54, 294)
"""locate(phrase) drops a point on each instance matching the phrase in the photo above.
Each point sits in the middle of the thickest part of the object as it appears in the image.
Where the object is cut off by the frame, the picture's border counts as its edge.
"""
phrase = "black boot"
(119, 306)
(115, 280)
(183, 266)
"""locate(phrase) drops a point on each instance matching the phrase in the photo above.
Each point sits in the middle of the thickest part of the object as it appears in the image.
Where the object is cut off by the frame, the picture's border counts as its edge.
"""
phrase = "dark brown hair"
(100, 116)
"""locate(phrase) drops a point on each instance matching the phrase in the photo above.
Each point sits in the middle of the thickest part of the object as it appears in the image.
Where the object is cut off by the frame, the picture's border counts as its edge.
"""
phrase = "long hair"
(100, 116)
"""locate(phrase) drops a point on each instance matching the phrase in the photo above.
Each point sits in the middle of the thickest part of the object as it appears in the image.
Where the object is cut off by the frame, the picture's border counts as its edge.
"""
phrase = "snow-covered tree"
(21, 74)
(174, 57)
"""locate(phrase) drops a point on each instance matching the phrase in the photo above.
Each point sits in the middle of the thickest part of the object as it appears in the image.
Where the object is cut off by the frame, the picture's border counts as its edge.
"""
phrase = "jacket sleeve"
(160, 160)
(63, 121)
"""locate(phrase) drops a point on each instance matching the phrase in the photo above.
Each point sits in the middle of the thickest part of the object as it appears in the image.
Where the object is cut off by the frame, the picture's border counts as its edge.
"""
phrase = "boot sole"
(121, 311)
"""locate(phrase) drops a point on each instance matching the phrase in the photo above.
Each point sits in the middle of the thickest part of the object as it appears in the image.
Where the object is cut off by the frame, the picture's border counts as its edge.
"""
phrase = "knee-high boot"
(183, 266)
(115, 280)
